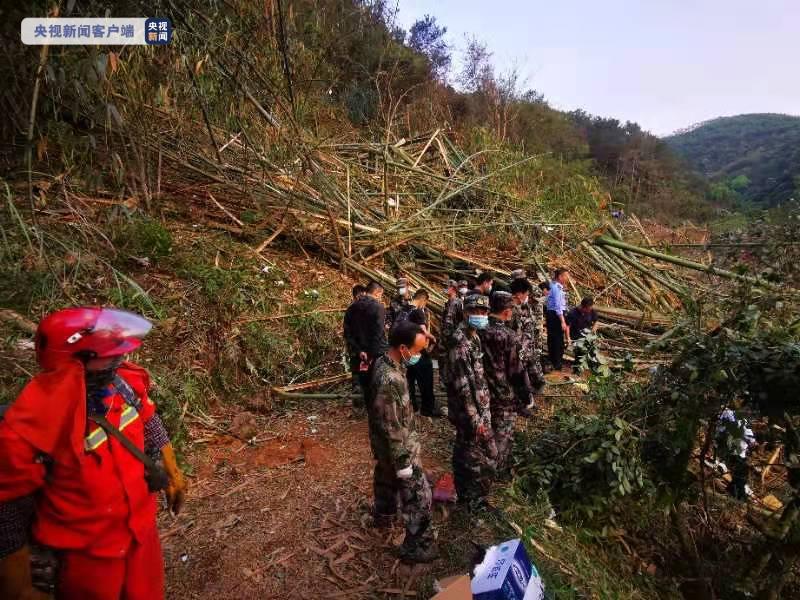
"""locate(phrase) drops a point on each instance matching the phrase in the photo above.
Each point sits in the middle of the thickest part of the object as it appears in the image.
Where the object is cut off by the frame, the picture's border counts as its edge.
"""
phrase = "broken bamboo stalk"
(689, 264)
(648, 272)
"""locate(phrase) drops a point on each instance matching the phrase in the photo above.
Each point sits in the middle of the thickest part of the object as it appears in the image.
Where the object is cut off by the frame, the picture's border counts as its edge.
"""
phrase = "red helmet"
(88, 332)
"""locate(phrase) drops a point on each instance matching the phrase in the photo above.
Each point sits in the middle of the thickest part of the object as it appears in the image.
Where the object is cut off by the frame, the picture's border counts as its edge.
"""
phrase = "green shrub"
(586, 464)
(142, 236)
(174, 396)
(267, 354)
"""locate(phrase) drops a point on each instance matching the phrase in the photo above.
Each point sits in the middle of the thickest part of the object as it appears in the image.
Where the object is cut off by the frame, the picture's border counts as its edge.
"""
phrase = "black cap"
(500, 301)
(474, 301)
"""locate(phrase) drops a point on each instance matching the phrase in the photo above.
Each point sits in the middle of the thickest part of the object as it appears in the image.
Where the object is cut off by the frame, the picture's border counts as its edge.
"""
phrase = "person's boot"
(473, 505)
(381, 521)
(418, 554)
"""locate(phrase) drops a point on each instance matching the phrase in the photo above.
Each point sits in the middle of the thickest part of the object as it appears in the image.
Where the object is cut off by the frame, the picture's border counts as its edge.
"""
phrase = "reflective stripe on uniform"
(98, 436)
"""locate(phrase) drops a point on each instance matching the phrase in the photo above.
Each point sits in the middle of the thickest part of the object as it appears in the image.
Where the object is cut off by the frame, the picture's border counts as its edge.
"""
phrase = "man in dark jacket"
(452, 315)
(365, 335)
(421, 373)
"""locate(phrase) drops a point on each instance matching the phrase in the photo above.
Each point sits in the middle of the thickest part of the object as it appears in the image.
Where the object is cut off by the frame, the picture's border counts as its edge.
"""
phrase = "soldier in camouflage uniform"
(395, 445)
(505, 373)
(451, 317)
(468, 405)
(399, 305)
(527, 325)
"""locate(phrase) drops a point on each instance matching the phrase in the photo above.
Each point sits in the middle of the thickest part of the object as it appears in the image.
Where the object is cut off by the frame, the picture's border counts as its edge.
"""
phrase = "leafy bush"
(267, 355)
(586, 464)
(317, 333)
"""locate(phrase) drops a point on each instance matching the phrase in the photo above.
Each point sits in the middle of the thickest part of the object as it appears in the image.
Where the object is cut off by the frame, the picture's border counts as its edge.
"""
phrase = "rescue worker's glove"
(177, 488)
(405, 473)
(15, 577)
(483, 433)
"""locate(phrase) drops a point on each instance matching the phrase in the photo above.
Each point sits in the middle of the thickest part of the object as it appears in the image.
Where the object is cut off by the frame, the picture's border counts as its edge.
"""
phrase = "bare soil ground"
(289, 516)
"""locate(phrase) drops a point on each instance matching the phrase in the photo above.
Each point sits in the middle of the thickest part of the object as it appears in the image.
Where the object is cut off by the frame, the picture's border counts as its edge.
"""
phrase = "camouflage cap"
(474, 301)
(501, 301)
(452, 283)
(518, 274)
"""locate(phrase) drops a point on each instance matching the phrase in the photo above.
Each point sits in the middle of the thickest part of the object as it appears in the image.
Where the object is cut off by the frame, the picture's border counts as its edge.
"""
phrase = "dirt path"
(289, 517)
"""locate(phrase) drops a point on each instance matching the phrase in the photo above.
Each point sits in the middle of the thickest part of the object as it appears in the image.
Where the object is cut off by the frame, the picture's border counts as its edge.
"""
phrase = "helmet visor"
(116, 331)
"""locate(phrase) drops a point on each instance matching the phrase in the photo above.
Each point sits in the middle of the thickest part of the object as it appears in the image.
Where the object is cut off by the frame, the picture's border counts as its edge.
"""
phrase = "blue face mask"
(411, 360)
(478, 321)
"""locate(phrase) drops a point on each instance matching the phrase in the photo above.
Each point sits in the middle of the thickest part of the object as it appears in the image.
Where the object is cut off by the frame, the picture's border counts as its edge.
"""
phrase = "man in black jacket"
(365, 335)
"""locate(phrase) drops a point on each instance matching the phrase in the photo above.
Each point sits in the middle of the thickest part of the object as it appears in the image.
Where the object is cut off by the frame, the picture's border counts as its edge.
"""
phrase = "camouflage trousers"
(503, 423)
(415, 499)
(442, 371)
(473, 466)
(534, 369)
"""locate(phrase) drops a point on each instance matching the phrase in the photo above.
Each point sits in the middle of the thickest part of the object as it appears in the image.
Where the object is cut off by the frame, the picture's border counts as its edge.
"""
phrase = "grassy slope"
(199, 286)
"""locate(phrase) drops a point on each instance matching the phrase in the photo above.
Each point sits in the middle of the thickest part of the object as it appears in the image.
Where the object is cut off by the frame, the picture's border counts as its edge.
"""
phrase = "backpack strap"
(156, 477)
(125, 390)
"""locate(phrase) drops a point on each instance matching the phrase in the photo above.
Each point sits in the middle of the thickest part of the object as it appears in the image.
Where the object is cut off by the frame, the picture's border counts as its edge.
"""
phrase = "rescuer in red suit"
(69, 490)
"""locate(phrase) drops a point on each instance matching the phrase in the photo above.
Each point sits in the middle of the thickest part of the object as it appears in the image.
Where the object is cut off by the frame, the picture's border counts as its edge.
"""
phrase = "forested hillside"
(341, 67)
(751, 158)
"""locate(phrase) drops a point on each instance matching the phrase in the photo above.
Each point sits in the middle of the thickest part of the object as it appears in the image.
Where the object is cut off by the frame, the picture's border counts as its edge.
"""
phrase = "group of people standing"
(490, 363)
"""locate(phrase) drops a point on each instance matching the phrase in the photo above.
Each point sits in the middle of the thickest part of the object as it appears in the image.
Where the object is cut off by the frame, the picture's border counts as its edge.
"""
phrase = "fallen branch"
(9, 316)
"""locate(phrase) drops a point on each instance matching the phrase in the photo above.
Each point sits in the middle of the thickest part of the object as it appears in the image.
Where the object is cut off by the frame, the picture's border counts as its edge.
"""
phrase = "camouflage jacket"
(452, 315)
(467, 389)
(392, 432)
(397, 306)
(525, 324)
(505, 372)
(536, 302)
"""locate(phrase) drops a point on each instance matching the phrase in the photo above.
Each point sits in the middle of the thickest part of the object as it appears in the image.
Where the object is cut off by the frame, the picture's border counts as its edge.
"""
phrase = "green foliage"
(142, 236)
(588, 465)
(642, 171)
(267, 355)
(317, 333)
(755, 155)
(427, 37)
(232, 288)
(174, 396)
(592, 359)
(128, 294)
(739, 182)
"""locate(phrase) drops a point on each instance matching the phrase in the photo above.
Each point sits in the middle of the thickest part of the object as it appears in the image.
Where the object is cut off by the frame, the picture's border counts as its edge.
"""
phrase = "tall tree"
(427, 37)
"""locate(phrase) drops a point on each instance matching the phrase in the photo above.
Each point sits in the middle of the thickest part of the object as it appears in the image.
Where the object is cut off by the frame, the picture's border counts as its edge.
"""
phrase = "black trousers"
(422, 374)
(555, 339)
(361, 382)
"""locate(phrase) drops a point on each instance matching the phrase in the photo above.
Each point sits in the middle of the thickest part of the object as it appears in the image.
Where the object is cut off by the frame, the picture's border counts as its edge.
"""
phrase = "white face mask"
(402, 291)
(463, 291)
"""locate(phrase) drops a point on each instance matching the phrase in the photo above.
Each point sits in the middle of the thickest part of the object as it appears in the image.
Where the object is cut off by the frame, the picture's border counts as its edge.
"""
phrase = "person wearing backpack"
(80, 449)
(399, 306)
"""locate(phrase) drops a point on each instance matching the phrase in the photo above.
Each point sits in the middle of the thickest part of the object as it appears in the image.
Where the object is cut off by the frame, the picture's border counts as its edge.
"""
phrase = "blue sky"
(663, 63)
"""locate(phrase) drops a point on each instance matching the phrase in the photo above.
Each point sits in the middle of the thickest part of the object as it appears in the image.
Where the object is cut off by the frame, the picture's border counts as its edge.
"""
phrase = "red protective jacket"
(93, 498)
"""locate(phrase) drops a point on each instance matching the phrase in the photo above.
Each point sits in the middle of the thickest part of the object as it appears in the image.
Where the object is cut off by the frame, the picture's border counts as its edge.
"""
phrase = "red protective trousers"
(139, 575)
